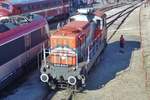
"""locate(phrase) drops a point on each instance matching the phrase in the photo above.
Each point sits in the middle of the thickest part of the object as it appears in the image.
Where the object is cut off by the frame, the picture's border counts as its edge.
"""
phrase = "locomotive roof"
(24, 1)
(97, 14)
(72, 28)
(27, 1)
(12, 30)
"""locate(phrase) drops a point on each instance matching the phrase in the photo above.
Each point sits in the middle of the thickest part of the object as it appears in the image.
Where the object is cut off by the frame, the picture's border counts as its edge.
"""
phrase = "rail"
(120, 15)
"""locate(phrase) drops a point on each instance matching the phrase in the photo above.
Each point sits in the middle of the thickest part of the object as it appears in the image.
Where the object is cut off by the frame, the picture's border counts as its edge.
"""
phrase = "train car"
(21, 40)
(74, 49)
(51, 9)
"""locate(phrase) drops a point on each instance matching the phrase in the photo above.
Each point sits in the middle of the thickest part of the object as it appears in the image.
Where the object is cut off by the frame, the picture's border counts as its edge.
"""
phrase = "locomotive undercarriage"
(62, 77)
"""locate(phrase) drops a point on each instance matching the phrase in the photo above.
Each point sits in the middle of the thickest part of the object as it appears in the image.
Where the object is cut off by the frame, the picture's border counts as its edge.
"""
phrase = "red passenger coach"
(21, 41)
(46, 8)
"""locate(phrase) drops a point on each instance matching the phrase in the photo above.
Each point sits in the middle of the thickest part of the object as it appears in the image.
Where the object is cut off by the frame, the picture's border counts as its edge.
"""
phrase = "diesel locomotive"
(73, 50)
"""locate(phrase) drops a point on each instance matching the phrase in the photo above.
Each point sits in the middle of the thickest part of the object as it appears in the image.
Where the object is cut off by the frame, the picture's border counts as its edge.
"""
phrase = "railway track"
(123, 15)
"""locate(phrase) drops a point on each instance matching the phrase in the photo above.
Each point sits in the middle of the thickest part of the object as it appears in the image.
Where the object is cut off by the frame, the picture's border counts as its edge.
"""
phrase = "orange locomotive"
(74, 49)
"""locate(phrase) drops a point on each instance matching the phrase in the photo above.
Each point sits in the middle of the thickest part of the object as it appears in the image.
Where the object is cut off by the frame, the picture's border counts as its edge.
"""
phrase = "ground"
(145, 32)
(116, 76)
(129, 83)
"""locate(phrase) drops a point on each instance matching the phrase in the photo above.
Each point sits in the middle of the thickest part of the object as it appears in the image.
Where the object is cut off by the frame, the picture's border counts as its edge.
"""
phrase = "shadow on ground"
(112, 61)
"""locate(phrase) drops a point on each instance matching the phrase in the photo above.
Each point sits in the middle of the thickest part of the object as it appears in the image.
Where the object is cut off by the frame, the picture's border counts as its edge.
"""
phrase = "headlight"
(44, 78)
(72, 80)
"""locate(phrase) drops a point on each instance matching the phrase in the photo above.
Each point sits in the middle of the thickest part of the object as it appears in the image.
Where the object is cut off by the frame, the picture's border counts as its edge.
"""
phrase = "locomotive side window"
(3, 28)
(7, 55)
(44, 5)
(56, 3)
(36, 37)
(30, 7)
(53, 3)
(25, 8)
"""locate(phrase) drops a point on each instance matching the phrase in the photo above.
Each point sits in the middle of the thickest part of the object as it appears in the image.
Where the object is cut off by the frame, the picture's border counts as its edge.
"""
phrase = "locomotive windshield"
(4, 5)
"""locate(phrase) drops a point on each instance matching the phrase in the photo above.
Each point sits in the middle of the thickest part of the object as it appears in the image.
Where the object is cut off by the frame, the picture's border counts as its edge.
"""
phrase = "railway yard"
(117, 74)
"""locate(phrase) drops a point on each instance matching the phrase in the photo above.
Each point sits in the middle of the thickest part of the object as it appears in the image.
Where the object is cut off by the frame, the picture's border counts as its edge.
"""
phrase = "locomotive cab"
(5, 8)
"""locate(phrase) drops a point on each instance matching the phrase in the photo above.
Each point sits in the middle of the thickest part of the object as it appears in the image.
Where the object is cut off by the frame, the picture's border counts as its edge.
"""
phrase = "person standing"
(122, 44)
(122, 41)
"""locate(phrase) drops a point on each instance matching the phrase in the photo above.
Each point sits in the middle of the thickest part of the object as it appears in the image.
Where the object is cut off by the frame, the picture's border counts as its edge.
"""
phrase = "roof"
(12, 31)
(29, 1)
(72, 28)
(81, 17)
(25, 1)
(97, 14)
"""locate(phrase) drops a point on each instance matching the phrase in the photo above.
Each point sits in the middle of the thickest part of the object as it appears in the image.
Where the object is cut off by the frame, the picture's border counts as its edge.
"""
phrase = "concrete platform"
(145, 32)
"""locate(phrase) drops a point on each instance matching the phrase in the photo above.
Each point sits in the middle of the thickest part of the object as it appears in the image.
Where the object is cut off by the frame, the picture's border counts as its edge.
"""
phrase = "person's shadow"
(111, 62)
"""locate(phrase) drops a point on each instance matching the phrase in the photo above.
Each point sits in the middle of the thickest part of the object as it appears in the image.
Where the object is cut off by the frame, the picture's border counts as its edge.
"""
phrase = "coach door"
(27, 46)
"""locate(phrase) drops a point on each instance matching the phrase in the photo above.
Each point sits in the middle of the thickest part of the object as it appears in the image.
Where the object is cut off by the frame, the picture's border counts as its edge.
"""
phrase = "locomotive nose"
(4, 13)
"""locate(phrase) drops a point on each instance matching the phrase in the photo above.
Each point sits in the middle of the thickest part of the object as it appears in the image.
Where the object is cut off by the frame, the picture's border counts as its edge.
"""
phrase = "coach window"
(45, 5)
(7, 53)
(54, 3)
(50, 4)
(30, 7)
(36, 37)
(37, 6)
(42, 6)
(3, 28)
(26, 8)
(4, 5)
(34, 7)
